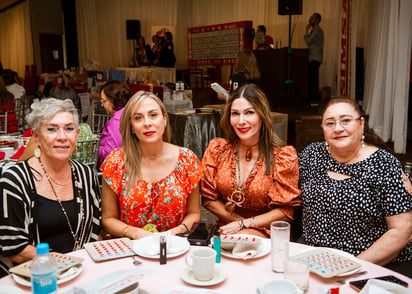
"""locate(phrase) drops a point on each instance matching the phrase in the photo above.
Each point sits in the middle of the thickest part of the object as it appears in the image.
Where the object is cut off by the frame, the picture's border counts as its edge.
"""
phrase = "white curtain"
(101, 27)
(102, 30)
(16, 46)
(387, 52)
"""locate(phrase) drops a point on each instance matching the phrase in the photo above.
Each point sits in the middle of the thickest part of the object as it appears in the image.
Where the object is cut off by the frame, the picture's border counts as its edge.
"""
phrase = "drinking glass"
(279, 235)
(298, 272)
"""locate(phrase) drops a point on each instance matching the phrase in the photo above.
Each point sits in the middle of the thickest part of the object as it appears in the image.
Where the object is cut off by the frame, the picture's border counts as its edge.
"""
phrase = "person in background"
(156, 48)
(246, 71)
(10, 78)
(354, 192)
(143, 52)
(149, 183)
(167, 55)
(263, 41)
(48, 197)
(114, 95)
(250, 179)
(66, 92)
(314, 39)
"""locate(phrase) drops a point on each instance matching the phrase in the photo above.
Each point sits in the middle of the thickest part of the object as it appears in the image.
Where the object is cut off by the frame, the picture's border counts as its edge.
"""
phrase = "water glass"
(298, 272)
(279, 235)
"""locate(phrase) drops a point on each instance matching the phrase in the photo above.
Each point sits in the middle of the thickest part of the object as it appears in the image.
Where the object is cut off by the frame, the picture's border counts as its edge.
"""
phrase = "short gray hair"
(45, 109)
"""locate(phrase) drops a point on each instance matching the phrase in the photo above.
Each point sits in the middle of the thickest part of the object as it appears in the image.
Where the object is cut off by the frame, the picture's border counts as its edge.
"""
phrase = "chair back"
(98, 122)
(87, 152)
(308, 130)
(3, 123)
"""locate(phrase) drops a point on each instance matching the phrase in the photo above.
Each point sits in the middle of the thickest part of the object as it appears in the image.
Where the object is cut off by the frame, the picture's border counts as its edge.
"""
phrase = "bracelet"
(252, 222)
(187, 230)
(242, 225)
(124, 231)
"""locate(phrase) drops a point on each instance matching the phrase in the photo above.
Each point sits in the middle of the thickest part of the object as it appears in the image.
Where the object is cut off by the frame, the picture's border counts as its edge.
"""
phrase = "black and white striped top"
(18, 210)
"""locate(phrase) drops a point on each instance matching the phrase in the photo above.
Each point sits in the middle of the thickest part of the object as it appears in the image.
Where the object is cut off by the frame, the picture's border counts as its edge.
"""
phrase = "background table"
(242, 276)
(194, 130)
(163, 74)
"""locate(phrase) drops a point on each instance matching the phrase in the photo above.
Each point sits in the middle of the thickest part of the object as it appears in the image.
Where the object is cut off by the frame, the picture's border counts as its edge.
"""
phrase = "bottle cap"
(42, 248)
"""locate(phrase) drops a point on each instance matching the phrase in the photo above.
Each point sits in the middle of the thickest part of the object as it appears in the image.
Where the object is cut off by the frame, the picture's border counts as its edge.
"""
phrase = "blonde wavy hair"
(131, 144)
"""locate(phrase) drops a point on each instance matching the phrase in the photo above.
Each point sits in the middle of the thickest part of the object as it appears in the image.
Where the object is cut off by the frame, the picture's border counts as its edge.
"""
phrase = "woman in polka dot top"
(353, 191)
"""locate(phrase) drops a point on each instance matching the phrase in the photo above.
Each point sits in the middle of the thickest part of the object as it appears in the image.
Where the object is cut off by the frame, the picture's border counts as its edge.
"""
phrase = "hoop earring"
(363, 141)
(37, 152)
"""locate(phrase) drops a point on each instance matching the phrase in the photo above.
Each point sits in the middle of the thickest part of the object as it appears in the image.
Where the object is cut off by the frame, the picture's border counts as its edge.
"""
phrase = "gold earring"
(363, 141)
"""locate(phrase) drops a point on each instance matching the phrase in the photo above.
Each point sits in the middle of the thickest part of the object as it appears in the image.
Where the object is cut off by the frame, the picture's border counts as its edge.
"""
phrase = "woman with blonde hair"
(149, 182)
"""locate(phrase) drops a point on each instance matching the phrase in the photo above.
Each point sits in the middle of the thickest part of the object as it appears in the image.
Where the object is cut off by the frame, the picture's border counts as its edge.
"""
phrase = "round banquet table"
(243, 276)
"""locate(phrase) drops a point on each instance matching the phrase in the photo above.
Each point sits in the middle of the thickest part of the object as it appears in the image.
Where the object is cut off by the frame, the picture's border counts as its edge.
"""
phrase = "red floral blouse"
(162, 203)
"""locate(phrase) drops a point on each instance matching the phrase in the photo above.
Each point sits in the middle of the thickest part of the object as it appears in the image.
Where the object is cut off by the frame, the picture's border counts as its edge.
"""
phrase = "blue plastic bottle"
(43, 271)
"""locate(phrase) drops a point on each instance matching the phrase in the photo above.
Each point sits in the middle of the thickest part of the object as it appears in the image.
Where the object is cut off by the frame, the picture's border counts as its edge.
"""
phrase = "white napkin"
(68, 273)
(152, 247)
(374, 286)
(246, 250)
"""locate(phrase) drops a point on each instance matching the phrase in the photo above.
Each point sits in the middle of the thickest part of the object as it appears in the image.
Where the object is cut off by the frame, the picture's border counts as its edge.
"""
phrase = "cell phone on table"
(201, 233)
(359, 284)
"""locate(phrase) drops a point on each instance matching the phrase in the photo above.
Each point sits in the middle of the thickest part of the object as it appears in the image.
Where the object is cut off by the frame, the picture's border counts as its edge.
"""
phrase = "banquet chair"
(308, 130)
(87, 151)
(3, 123)
(98, 122)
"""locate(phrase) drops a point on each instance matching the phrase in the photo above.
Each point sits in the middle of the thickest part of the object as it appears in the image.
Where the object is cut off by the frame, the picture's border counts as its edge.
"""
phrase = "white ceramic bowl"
(278, 287)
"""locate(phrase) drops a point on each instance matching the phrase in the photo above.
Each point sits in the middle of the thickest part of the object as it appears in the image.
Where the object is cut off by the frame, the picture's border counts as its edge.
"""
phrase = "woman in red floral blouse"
(149, 182)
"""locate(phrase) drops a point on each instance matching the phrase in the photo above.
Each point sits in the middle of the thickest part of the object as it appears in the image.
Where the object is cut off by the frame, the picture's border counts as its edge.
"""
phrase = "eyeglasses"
(344, 122)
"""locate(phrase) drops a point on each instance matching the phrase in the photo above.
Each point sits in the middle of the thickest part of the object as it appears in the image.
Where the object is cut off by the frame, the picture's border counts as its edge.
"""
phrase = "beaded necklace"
(49, 178)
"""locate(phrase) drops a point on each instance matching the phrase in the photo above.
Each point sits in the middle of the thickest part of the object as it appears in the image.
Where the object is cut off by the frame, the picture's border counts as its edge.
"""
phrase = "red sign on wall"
(219, 44)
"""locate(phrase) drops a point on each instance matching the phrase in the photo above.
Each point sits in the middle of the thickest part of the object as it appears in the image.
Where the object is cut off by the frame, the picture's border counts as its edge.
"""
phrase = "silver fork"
(343, 281)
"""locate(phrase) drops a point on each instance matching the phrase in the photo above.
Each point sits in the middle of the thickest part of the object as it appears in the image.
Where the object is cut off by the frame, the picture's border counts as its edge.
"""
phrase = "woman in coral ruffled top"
(250, 178)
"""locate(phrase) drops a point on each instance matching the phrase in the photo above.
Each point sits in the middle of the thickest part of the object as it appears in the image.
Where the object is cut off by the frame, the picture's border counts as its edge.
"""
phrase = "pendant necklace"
(237, 197)
(76, 242)
(248, 154)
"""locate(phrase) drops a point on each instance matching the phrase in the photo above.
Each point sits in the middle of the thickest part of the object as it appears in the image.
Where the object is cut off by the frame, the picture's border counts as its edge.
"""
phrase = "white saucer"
(218, 277)
(26, 281)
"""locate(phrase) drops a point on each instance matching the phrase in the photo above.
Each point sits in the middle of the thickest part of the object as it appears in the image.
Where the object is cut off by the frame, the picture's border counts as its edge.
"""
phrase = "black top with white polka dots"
(350, 214)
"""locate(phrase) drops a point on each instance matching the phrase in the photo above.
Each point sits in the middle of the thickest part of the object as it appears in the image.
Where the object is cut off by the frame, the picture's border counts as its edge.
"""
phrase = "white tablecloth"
(162, 74)
(242, 276)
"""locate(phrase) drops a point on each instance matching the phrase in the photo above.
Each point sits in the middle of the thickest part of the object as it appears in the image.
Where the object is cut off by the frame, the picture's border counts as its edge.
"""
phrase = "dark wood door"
(51, 50)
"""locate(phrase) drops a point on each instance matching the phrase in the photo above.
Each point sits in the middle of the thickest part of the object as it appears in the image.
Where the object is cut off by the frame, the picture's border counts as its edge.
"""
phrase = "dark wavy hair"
(117, 92)
(268, 137)
(371, 137)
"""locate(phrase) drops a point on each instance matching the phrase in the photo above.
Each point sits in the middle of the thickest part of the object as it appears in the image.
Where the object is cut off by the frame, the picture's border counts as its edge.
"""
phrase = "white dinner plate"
(76, 270)
(4, 289)
(264, 245)
(343, 253)
(180, 244)
(218, 277)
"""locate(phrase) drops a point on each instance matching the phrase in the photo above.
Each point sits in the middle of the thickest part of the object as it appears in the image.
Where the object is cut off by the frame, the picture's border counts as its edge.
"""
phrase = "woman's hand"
(231, 228)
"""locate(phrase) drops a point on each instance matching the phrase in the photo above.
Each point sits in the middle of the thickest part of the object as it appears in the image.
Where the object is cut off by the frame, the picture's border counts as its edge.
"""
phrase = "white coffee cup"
(202, 263)
(279, 287)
